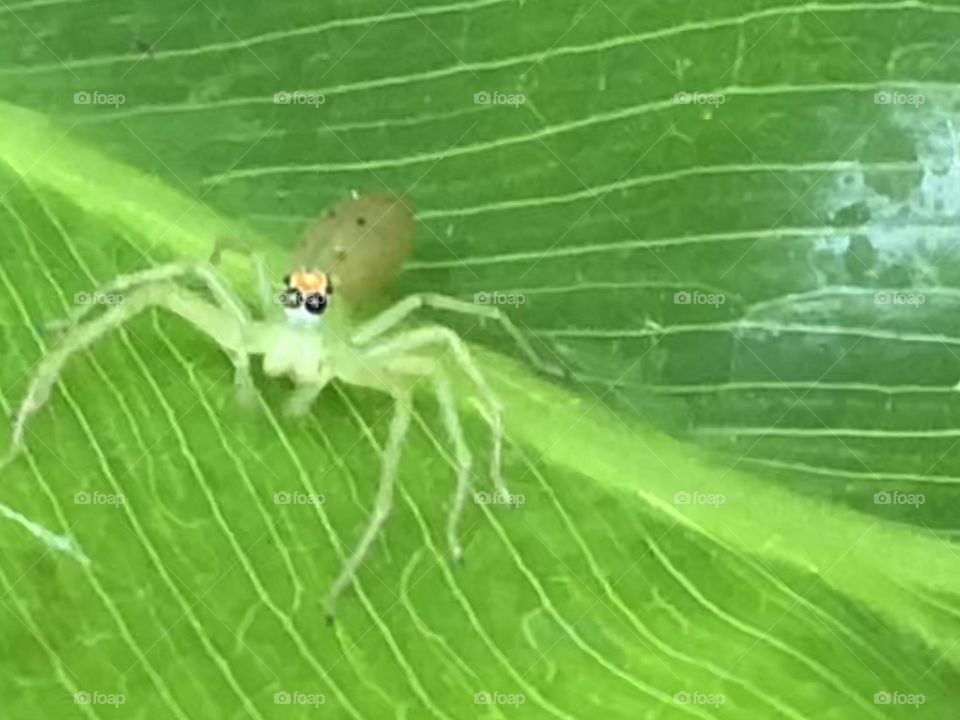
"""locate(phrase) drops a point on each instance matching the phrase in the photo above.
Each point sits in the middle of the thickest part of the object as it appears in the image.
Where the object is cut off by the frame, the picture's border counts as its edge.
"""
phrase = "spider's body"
(310, 347)
(309, 336)
(295, 350)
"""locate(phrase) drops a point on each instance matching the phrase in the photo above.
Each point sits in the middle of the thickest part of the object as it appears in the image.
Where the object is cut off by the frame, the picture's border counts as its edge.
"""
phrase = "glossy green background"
(796, 195)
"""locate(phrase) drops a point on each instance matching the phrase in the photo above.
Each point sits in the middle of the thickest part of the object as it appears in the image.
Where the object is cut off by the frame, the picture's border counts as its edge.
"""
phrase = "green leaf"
(702, 534)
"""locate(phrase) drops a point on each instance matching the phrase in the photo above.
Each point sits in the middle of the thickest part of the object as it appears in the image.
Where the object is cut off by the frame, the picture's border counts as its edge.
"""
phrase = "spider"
(308, 333)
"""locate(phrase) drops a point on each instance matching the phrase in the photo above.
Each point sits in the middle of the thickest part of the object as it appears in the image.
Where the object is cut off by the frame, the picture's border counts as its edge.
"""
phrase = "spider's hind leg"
(392, 316)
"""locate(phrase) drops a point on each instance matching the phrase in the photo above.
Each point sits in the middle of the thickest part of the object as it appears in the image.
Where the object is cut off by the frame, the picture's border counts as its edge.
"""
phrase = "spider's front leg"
(414, 368)
(393, 351)
(405, 343)
(221, 325)
(389, 465)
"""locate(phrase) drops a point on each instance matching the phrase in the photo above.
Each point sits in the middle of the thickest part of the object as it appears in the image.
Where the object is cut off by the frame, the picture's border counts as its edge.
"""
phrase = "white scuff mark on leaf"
(54, 541)
(916, 229)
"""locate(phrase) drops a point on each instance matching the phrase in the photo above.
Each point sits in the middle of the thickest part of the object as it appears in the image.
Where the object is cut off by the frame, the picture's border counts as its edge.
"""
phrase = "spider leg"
(422, 367)
(408, 341)
(302, 399)
(388, 477)
(160, 273)
(448, 411)
(224, 296)
(268, 304)
(216, 322)
(268, 298)
(390, 317)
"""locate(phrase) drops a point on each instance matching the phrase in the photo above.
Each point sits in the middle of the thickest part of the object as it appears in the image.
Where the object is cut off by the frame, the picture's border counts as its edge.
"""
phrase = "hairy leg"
(390, 463)
(419, 367)
(392, 316)
(404, 343)
(448, 411)
(222, 326)
(268, 299)
(224, 296)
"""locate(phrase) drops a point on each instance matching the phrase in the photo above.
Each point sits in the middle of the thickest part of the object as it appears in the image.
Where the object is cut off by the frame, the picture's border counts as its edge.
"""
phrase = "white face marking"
(301, 317)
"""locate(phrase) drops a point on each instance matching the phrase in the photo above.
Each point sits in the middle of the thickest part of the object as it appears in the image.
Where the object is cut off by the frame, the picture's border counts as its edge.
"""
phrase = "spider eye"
(291, 298)
(316, 303)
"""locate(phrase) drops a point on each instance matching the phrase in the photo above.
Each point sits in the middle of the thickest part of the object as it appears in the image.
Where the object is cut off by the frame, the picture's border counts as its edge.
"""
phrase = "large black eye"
(316, 303)
(291, 298)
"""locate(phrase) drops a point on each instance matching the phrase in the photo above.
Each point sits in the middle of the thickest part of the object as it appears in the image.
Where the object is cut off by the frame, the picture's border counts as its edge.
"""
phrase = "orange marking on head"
(309, 282)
